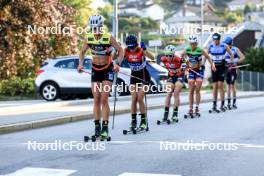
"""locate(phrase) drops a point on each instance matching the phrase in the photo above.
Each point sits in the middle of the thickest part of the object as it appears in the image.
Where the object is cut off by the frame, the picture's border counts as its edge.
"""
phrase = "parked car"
(58, 78)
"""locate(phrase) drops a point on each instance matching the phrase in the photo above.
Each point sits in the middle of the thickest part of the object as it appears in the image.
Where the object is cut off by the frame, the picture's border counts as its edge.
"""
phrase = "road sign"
(153, 43)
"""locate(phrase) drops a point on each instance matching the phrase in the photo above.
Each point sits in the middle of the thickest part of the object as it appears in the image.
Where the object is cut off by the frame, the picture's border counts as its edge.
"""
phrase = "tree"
(255, 57)
(22, 51)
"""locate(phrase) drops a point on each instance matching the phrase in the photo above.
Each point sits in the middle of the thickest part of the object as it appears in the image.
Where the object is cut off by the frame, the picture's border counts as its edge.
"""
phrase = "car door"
(84, 78)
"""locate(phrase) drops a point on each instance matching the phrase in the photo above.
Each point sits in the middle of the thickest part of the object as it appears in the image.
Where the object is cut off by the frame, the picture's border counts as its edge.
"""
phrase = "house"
(189, 16)
(240, 4)
(140, 8)
(255, 17)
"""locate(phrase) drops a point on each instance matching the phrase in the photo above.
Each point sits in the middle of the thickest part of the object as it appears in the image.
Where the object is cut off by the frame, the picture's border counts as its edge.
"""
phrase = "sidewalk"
(26, 117)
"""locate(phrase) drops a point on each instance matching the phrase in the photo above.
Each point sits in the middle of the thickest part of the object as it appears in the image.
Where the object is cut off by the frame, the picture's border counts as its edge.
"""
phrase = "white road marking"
(145, 174)
(31, 171)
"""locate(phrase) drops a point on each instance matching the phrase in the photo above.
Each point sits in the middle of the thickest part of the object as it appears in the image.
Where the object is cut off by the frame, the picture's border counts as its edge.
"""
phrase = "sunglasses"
(169, 55)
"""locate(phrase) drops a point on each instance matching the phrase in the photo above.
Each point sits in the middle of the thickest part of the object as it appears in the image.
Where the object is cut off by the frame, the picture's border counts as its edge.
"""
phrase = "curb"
(4, 129)
(29, 107)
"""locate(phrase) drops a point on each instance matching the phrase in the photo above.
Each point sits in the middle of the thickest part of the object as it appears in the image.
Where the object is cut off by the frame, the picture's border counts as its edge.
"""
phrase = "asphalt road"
(142, 153)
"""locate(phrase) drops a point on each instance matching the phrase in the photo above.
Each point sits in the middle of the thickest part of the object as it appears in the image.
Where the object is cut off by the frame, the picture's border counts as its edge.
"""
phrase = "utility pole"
(202, 21)
(115, 20)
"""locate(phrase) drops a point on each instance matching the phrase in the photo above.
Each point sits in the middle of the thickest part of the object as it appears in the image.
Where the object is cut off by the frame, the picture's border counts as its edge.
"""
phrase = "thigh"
(107, 86)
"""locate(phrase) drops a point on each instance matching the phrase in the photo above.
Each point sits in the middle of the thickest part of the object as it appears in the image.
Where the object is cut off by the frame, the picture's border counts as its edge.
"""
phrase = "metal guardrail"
(250, 81)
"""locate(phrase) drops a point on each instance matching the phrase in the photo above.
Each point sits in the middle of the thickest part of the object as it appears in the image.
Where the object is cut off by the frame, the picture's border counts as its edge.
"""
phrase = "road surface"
(242, 129)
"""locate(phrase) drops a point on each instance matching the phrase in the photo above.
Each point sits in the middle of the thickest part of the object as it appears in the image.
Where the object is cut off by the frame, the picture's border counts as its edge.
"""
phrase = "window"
(67, 64)
(125, 64)
(87, 64)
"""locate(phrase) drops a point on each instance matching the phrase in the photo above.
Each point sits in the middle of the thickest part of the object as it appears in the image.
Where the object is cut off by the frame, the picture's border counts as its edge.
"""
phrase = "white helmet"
(193, 39)
(170, 49)
(96, 21)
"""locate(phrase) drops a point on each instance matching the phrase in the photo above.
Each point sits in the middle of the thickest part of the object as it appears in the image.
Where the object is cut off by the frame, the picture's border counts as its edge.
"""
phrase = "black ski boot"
(97, 128)
(234, 106)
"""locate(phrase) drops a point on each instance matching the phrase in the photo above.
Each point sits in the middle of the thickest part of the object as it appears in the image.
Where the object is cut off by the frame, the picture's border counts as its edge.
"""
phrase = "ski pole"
(196, 73)
(146, 103)
(115, 84)
(239, 66)
(134, 77)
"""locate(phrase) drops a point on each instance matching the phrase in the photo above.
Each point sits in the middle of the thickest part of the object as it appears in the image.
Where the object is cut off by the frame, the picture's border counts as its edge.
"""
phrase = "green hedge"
(255, 57)
(17, 87)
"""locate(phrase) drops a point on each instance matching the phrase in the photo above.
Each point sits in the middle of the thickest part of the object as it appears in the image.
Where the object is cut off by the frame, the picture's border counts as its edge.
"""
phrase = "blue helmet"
(228, 40)
(131, 41)
(216, 36)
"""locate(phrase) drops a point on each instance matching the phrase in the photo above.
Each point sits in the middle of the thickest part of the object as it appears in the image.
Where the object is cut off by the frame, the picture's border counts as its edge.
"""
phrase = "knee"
(97, 100)
(104, 101)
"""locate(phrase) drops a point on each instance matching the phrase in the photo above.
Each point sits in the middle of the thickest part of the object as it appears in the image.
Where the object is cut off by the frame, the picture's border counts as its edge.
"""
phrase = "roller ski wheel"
(86, 138)
(197, 115)
(103, 138)
(174, 120)
(214, 110)
(133, 131)
(159, 122)
(223, 109)
(189, 114)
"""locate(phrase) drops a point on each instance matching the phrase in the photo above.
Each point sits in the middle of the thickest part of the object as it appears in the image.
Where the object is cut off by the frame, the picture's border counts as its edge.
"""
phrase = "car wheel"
(49, 91)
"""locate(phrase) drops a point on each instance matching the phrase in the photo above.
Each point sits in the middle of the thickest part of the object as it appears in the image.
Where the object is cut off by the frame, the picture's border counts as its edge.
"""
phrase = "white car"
(58, 78)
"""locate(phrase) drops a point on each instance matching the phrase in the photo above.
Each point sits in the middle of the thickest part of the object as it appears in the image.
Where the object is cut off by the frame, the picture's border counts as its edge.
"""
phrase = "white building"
(240, 4)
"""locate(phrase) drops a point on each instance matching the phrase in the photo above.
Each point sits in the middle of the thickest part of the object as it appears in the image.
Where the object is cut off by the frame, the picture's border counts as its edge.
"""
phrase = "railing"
(250, 81)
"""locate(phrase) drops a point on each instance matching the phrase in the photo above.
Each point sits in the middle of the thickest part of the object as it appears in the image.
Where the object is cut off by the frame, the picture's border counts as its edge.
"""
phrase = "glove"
(80, 68)
(143, 46)
(183, 66)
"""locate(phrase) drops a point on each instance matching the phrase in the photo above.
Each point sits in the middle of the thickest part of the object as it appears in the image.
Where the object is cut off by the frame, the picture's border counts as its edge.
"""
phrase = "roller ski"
(132, 129)
(174, 119)
(197, 112)
(189, 114)
(100, 135)
(164, 120)
(214, 110)
(223, 109)
(96, 134)
(142, 127)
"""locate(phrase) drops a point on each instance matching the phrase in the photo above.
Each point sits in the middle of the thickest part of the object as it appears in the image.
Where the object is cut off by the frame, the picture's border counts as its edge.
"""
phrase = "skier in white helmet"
(101, 44)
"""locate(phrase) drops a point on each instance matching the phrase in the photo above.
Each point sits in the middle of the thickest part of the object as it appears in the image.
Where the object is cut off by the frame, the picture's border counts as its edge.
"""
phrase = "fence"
(250, 81)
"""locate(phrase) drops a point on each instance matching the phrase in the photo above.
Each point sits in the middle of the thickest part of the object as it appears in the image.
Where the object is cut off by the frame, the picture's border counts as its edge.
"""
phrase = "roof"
(241, 2)
(207, 18)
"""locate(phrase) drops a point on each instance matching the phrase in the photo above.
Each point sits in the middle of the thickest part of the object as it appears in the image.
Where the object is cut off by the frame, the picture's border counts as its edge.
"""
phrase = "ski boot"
(214, 110)
(174, 119)
(165, 118)
(190, 114)
(229, 107)
(197, 112)
(104, 133)
(132, 128)
(96, 134)
(143, 125)
(234, 106)
(223, 108)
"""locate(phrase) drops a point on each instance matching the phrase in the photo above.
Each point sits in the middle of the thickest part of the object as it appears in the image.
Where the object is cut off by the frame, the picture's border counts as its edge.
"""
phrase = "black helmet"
(131, 41)
(216, 36)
